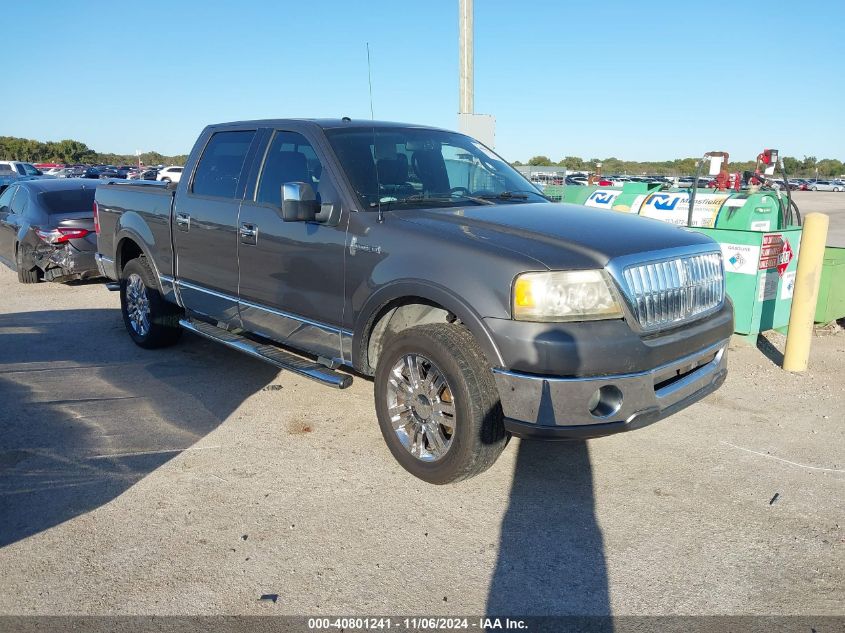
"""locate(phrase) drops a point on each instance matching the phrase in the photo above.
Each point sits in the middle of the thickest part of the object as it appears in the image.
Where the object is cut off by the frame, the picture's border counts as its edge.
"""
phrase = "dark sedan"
(47, 229)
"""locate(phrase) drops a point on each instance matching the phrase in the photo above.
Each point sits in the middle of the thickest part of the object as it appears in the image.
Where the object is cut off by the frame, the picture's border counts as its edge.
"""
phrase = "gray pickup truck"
(419, 257)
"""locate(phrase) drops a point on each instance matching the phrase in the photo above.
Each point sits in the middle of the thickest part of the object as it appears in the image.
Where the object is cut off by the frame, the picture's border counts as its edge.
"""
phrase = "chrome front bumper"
(560, 408)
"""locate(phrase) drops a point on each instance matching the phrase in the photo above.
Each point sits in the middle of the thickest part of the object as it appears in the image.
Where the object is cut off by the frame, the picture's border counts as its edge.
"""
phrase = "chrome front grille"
(669, 292)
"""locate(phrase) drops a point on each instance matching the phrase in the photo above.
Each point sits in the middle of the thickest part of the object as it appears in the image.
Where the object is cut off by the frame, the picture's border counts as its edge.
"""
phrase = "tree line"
(69, 152)
(806, 167)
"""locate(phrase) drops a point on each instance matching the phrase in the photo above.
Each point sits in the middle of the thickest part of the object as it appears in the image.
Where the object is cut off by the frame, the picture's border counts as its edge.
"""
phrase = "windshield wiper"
(511, 195)
(418, 197)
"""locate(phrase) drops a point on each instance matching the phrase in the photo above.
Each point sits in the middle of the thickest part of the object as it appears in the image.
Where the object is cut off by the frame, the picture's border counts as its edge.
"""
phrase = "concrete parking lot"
(193, 480)
(829, 203)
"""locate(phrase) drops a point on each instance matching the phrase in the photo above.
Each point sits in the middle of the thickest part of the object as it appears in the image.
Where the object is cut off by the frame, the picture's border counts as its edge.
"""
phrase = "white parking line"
(781, 459)
(167, 450)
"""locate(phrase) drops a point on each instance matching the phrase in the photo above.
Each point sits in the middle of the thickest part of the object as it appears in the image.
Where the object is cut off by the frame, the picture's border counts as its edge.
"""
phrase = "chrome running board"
(270, 354)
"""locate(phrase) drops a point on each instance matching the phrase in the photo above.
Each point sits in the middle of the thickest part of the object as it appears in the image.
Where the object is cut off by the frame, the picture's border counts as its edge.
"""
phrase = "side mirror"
(299, 202)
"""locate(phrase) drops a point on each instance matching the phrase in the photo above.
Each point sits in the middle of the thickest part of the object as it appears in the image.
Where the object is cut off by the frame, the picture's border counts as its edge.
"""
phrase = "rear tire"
(151, 321)
(446, 433)
(31, 275)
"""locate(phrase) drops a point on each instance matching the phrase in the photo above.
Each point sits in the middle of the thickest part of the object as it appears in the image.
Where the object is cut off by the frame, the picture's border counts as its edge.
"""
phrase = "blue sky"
(635, 80)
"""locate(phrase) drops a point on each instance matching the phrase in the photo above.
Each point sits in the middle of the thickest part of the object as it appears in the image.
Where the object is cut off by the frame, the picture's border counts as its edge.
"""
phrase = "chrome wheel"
(137, 305)
(421, 407)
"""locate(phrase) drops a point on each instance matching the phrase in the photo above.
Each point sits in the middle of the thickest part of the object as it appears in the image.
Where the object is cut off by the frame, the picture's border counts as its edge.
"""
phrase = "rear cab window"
(221, 165)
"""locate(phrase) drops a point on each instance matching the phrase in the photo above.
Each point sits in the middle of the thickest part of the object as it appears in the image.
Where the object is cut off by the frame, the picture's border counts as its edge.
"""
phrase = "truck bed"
(142, 208)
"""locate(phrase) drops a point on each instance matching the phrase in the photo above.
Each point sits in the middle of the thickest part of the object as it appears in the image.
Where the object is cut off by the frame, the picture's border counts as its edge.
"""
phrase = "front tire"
(437, 404)
(150, 320)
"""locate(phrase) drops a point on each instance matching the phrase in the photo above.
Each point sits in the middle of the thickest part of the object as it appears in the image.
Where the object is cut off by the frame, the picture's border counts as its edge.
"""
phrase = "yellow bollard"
(805, 295)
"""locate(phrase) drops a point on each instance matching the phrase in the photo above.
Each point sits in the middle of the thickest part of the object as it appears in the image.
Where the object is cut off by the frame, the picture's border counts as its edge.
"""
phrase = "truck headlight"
(566, 295)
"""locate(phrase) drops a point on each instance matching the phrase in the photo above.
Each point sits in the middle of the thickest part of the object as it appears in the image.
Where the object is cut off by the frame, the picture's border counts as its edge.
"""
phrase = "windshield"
(415, 168)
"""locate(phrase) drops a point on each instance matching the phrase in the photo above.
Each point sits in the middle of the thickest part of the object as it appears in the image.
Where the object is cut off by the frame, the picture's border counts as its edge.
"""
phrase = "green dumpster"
(831, 305)
(759, 276)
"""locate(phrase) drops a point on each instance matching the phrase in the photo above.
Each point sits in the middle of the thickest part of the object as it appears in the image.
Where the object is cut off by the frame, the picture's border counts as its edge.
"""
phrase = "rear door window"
(20, 202)
(6, 202)
(222, 163)
(6, 198)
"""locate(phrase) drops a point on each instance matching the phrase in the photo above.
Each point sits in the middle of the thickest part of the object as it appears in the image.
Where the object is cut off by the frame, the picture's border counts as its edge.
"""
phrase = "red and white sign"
(785, 257)
(776, 252)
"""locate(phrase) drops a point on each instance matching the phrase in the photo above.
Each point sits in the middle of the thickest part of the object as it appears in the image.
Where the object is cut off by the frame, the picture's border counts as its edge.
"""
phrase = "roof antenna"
(375, 152)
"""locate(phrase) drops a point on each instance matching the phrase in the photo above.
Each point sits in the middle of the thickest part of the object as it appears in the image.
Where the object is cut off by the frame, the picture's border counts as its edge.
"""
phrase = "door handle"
(249, 233)
(183, 221)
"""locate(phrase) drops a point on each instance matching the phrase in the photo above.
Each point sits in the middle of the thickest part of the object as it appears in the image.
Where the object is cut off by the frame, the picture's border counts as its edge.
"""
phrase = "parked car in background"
(63, 172)
(23, 169)
(825, 185)
(9, 175)
(75, 172)
(144, 173)
(89, 172)
(685, 182)
(170, 174)
(782, 184)
(47, 229)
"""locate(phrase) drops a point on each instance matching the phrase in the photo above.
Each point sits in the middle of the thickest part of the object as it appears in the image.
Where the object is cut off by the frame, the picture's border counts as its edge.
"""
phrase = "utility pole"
(479, 126)
(467, 89)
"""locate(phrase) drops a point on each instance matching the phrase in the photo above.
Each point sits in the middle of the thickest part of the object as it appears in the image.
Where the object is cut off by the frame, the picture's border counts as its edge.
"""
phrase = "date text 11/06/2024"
(416, 624)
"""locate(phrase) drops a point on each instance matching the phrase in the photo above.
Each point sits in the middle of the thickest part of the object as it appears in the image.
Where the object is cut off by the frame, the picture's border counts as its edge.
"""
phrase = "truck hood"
(559, 236)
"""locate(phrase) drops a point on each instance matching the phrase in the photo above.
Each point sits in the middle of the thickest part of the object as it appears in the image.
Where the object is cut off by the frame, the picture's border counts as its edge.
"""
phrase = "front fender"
(428, 291)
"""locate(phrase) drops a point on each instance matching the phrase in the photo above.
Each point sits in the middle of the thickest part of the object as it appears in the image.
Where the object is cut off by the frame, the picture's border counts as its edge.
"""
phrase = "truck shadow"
(551, 558)
(551, 552)
(86, 414)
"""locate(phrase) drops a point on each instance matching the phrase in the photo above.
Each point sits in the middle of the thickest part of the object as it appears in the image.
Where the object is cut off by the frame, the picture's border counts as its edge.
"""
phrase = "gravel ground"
(193, 480)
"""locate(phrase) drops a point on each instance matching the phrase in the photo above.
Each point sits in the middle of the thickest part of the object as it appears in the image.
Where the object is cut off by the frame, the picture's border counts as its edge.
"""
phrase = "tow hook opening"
(605, 401)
